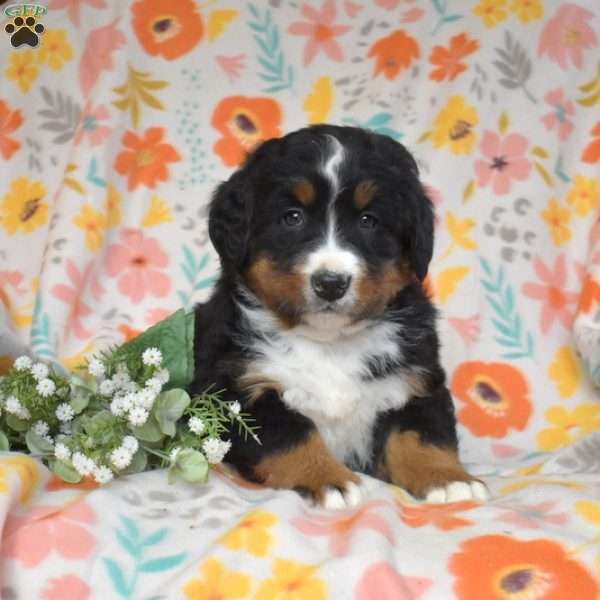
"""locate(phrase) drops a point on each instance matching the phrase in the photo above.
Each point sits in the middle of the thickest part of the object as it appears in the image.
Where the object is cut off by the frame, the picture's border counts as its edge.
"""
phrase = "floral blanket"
(117, 119)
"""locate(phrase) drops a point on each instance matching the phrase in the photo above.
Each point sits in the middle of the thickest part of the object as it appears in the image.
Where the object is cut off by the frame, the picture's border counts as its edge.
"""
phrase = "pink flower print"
(339, 528)
(137, 261)
(558, 117)
(73, 295)
(31, 539)
(382, 582)
(534, 516)
(388, 4)
(321, 32)
(551, 292)
(90, 126)
(74, 7)
(154, 315)
(566, 35)
(232, 65)
(504, 160)
(67, 586)
(468, 328)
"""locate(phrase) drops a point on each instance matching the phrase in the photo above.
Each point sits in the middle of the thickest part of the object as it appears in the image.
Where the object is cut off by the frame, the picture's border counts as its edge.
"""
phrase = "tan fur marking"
(309, 466)
(255, 384)
(282, 292)
(376, 292)
(418, 467)
(304, 191)
(363, 194)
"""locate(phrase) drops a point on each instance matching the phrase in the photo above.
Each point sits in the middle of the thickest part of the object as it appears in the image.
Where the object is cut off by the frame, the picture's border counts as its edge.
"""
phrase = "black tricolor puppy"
(319, 323)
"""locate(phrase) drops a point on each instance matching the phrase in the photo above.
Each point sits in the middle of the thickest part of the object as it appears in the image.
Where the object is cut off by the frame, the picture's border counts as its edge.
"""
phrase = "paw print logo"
(24, 31)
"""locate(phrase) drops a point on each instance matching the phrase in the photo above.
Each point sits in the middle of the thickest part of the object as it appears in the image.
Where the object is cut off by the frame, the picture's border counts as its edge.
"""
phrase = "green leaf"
(192, 466)
(65, 471)
(16, 424)
(138, 462)
(162, 564)
(149, 432)
(4, 443)
(174, 337)
(80, 398)
(134, 550)
(37, 444)
(168, 409)
(155, 538)
(131, 526)
(117, 577)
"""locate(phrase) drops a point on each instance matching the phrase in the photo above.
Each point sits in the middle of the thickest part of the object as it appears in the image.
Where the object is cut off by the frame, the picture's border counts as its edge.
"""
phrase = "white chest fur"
(324, 381)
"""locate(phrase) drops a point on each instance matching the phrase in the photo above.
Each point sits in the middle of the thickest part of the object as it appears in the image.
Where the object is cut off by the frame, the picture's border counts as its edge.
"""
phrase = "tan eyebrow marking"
(304, 191)
(363, 193)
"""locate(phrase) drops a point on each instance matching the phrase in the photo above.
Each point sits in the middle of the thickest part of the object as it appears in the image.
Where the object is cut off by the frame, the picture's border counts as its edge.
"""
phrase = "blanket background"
(114, 132)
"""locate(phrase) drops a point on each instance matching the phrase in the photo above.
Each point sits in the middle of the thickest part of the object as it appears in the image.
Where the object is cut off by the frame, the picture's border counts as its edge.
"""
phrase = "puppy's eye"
(368, 221)
(293, 218)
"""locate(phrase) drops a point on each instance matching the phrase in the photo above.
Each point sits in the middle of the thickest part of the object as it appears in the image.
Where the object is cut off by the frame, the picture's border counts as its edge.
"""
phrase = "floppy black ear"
(229, 221)
(422, 246)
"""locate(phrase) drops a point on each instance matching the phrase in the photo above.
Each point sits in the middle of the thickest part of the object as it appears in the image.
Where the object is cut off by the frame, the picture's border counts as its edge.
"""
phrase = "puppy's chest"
(330, 383)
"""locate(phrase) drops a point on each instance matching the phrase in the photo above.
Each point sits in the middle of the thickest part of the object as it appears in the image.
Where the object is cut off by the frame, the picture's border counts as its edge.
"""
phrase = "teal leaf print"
(270, 55)
(136, 544)
(92, 174)
(441, 8)
(161, 564)
(41, 343)
(192, 269)
(379, 124)
(507, 323)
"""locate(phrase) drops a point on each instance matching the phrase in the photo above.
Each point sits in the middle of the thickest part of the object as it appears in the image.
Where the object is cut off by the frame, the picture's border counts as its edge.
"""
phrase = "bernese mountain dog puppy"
(319, 324)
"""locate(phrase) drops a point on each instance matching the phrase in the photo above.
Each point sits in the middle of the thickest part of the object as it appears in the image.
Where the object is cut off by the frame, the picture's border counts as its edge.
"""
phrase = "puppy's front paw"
(333, 498)
(458, 491)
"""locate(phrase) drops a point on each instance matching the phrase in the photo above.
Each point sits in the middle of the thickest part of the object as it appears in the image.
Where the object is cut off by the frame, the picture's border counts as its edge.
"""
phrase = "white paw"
(458, 491)
(334, 499)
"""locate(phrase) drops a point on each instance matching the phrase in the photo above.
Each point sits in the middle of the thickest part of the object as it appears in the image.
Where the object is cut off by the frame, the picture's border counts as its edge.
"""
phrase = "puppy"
(319, 324)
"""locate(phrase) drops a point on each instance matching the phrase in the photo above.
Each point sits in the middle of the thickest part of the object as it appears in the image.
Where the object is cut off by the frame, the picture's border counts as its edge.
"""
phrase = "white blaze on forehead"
(331, 164)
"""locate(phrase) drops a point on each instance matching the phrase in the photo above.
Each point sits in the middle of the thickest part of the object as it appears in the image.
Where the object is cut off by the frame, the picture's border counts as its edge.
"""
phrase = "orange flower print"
(497, 567)
(167, 28)
(590, 295)
(144, 160)
(394, 53)
(442, 516)
(494, 397)
(591, 153)
(448, 60)
(10, 121)
(243, 123)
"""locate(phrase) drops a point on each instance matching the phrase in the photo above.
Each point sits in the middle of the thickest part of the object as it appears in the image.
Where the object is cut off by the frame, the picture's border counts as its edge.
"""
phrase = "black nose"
(330, 286)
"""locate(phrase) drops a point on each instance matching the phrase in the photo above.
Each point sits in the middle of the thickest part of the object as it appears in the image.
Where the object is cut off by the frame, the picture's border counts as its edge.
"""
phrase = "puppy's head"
(324, 226)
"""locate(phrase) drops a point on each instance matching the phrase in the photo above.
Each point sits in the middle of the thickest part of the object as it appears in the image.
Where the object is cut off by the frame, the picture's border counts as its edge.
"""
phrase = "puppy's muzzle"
(330, 286)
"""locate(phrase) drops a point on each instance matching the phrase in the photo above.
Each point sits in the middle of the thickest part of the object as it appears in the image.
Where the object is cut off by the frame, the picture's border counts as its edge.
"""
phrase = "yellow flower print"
(113, 203)
(292, 581)
(527, 10)
(159, 212)
(558, 219)
(584, 195)
(459, 230)
(491, 12)
(23, 69)
(568, 425)
(55, 50)
(217, 583)
(319, 102)
(565, 372)
(27, 470)
(251, 533)
(453, 126)
(93, 224)
(22, 208)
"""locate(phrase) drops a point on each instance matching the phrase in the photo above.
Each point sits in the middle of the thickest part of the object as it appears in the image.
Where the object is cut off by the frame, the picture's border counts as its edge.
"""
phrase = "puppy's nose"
(329, 285)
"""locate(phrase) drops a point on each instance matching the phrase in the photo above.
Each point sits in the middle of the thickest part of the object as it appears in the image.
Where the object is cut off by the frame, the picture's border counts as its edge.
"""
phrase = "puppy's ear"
(229, 221)
(422, 242)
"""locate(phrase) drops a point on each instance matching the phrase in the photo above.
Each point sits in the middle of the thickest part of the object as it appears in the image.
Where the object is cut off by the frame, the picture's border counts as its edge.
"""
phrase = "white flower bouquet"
(126, 411)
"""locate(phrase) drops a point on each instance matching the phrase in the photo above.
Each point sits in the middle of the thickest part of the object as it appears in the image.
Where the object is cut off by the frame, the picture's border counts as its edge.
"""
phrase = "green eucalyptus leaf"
(149, 432)
(174, 337)
(65, 471)
(100, 427)
(138, 462)
(192, 466)
(37, 444)
(16, 424)
(168, 409)
(4, 443)
(80, 398)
